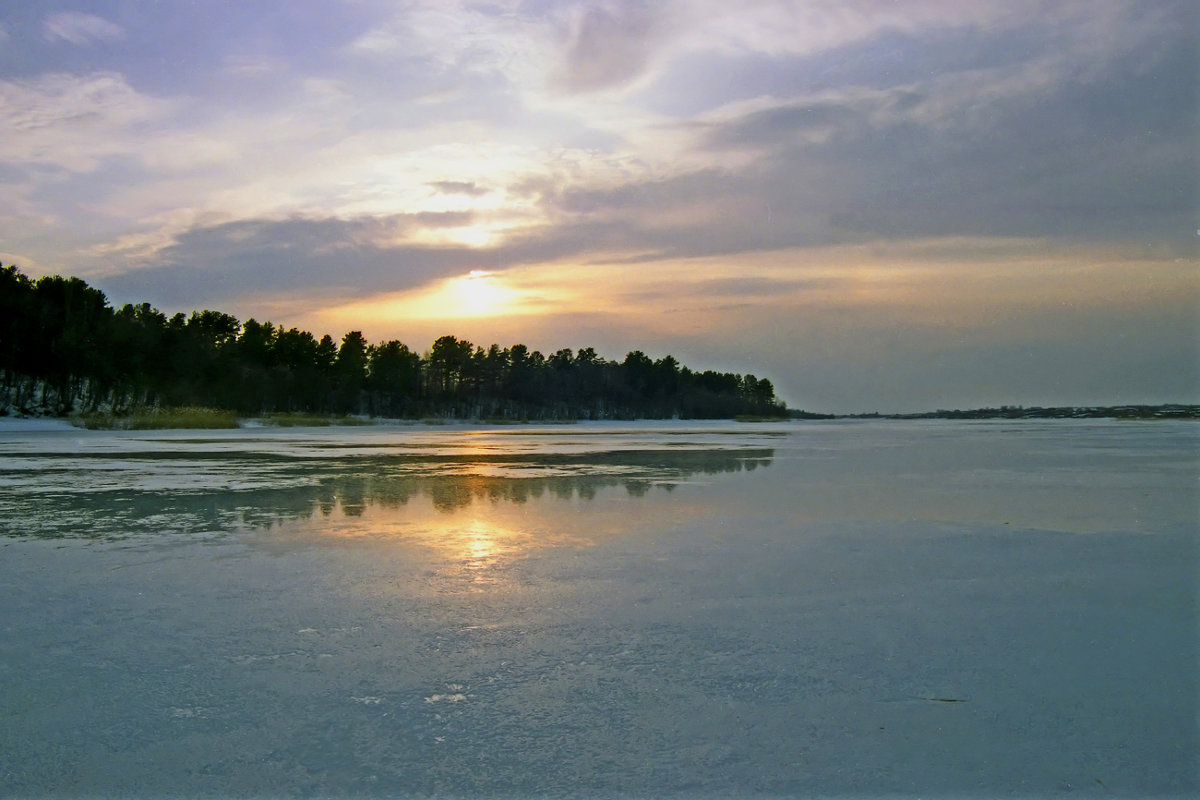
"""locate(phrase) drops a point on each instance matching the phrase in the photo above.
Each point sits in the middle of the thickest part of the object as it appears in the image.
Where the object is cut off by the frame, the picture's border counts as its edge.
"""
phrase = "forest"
(64, 350)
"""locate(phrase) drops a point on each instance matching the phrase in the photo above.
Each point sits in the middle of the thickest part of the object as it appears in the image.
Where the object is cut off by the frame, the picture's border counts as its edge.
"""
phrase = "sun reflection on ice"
(478, 547)
(466, 529)
(482, 541)
(462, 513)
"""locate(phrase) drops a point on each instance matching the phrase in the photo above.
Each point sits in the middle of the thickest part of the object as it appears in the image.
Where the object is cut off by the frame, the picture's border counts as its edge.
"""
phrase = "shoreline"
(19, 424)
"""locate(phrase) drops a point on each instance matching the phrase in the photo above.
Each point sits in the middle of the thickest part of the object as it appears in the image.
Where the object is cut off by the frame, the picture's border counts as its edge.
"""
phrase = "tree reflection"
(351, 486)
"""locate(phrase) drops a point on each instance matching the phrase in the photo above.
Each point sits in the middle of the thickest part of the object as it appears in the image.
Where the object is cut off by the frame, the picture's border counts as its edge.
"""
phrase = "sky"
(879, 205)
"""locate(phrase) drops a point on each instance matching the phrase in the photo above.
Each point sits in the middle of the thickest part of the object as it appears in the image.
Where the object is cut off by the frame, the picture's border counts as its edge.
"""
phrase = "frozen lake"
(601, 610)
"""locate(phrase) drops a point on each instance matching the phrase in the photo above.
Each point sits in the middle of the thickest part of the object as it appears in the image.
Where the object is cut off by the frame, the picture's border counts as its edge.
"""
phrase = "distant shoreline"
(1134, 412)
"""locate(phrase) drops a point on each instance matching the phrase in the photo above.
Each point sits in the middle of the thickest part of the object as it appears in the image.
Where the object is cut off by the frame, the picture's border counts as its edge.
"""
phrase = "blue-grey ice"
(937, 609)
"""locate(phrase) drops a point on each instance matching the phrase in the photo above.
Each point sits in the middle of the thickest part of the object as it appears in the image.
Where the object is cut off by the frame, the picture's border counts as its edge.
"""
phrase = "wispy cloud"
(452, 35)
(253, 65)
(79, 28)
(72, 121)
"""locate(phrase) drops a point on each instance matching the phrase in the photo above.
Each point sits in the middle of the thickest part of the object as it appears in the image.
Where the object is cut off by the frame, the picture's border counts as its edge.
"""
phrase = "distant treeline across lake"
(64, 349)
(1141, 412)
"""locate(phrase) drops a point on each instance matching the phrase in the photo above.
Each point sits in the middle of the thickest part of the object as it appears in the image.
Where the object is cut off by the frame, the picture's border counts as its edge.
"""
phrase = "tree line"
(64, 349)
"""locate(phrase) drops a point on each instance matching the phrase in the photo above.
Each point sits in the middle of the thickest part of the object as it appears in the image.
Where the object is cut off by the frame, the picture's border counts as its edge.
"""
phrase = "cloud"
(78, 28)
(254, 65)
(469, 188)
(450, 36)
(355, 257)
(813, 121)
(1105, 158)
(1099, 146)
(72, 121)
(1036, 144)
(610, 46)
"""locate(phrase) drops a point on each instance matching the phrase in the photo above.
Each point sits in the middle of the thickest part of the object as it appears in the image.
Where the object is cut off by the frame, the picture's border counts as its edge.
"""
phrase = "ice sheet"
(819, 609)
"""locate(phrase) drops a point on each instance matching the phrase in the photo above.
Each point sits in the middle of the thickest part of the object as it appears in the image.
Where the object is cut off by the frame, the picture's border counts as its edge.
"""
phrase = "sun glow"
(478, 294)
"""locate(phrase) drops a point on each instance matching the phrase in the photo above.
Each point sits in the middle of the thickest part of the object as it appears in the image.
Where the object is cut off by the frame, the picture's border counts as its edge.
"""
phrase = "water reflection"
(72, 496)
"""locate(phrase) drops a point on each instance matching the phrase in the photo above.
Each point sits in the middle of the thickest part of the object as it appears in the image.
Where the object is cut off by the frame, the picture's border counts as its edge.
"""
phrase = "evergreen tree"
(62, 347)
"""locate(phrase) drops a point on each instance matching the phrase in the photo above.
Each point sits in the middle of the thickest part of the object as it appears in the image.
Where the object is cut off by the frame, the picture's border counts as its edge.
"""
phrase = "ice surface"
(818, 609)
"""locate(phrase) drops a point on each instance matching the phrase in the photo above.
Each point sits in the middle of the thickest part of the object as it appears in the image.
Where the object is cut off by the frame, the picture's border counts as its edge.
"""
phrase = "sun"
(478, 294)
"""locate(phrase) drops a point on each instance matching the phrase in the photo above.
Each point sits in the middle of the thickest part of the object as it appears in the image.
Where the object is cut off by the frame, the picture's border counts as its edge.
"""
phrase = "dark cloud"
(611, 47)
(760, 286)
(443, 219)
(750, 290)
(214, 264)
(1105, 153)
(786, 124)
(703, 213)
(1107, 159)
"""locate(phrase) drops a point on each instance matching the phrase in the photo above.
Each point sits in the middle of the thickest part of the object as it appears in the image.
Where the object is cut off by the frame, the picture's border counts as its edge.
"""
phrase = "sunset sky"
(882, 206)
